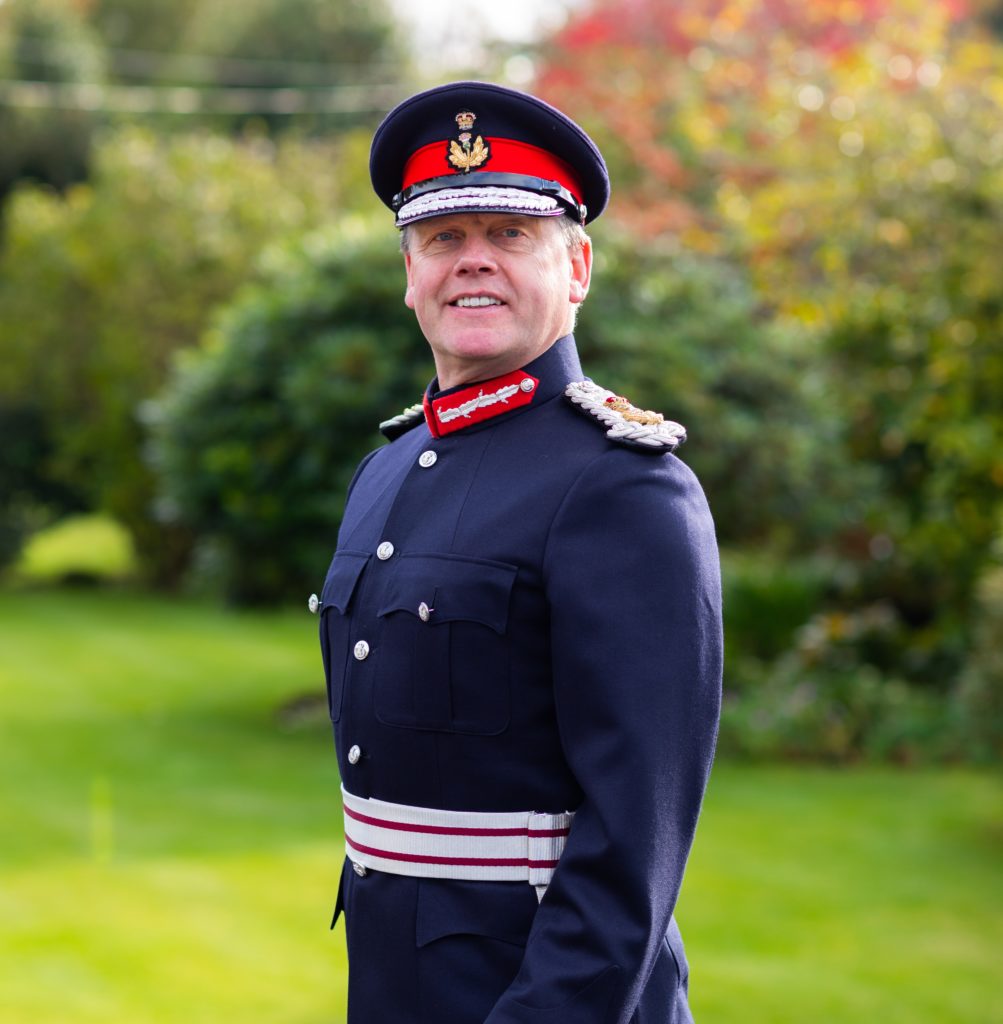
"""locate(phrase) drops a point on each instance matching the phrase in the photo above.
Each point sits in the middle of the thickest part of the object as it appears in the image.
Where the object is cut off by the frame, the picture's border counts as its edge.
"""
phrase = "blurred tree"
(347, 36)
(317, 51)
(353, 41)
(878, 225)
(139, 25)
(850, 153)
(49, 144)
(67, 66)
(99, 288)
(679, 95)
(991, 13)
(686, 334)
(260, 431)
(29, 496)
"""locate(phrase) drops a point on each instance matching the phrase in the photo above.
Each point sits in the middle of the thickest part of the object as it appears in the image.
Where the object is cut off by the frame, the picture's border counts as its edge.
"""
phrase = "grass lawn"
(170, 844)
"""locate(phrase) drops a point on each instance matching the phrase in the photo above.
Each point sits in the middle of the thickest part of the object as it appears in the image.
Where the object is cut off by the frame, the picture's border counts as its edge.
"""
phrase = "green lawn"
(169, 845)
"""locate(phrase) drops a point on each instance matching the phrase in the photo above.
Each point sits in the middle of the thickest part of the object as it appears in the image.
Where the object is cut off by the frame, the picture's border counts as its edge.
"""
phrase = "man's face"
(491, 291)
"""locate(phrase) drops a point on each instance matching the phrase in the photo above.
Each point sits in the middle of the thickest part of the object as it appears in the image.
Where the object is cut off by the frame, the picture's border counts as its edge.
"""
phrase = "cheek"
(553, 286)
(554, 269)
(419, 289)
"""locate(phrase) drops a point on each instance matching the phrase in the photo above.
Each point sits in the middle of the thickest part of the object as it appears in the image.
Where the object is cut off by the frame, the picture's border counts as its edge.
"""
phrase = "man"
(521, 622)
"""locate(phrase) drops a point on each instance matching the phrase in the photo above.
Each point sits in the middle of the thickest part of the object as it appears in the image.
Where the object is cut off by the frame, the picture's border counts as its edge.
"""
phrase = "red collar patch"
(479, 402)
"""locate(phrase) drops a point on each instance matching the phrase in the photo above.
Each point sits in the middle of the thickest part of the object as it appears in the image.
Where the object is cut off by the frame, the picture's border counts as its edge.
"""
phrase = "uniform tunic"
(568, 658)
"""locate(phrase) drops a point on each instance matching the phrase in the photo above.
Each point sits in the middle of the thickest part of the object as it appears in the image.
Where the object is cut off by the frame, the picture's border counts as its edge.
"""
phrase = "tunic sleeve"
(632, 580)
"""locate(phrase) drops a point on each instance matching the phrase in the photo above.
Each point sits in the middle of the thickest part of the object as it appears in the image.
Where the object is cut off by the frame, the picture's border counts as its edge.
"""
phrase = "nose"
(475, 257)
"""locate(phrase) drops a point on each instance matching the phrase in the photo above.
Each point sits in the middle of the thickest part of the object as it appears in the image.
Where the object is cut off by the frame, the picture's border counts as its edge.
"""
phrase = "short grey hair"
(575, 236)
(573, 233)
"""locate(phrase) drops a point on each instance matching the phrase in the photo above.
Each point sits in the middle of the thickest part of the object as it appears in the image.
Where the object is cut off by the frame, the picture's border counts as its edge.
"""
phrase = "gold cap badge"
(464, 154)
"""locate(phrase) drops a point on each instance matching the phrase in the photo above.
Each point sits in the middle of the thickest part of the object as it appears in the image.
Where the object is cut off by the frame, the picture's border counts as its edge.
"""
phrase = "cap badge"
(464, 154)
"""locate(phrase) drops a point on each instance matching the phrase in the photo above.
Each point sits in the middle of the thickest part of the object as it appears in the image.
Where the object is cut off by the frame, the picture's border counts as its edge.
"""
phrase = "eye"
(443, 236)
(512, 232)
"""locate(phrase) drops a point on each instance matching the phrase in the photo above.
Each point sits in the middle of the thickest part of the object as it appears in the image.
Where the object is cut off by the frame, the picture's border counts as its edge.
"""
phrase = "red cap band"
(507, 156)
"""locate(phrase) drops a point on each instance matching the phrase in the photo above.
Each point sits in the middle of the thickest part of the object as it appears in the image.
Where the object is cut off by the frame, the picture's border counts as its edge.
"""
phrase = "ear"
(581, 273)
(409, 291)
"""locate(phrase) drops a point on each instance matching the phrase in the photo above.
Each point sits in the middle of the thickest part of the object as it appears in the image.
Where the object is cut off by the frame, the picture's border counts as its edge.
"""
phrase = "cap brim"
(488, 199)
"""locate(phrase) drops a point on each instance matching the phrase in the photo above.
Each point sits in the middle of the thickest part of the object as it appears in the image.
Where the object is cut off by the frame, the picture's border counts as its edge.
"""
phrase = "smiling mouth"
(476, 302)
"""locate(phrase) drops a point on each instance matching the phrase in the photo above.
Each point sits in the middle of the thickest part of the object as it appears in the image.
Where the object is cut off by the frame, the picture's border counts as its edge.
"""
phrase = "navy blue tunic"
(572, 662)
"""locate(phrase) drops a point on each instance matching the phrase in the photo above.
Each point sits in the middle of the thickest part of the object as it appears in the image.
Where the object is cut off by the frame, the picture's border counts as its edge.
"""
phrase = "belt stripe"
(441, 830)
(487, 862)
(427, 842)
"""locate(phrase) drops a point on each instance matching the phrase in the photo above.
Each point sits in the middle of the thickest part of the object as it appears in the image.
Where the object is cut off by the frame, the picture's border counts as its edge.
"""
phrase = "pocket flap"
(346, 568)
(453, 589)
(497, 910)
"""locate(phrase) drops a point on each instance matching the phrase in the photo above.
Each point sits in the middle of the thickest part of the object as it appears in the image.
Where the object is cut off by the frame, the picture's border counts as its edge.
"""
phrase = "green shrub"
(79, 549)
(686, 335)
(46, 144)
(29, 497)
(978, 700)
(99, 287)
(767, 598)
(834, 695)
(260, 431)
(855, 714)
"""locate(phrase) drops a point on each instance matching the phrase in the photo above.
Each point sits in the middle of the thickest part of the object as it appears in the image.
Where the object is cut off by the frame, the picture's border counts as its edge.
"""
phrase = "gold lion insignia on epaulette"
(625, 423)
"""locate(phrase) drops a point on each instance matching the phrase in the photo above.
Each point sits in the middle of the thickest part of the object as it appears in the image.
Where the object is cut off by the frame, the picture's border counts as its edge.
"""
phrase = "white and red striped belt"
(512, 846)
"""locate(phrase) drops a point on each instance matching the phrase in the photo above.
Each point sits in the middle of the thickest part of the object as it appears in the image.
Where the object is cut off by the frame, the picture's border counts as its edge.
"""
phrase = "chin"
(478, 345)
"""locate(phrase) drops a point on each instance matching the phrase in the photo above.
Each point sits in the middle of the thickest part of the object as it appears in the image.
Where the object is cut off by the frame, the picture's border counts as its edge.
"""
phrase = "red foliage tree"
(680, 96)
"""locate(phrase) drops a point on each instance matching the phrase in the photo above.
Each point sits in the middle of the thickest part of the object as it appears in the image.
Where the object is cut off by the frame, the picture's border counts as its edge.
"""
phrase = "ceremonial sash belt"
(512, 846)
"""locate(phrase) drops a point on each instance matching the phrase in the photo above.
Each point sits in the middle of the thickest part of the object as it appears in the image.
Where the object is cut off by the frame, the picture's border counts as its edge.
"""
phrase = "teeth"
(480, 300)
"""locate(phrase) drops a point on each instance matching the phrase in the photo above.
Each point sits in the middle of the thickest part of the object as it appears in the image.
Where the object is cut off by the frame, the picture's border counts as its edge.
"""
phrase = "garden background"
(201, 324)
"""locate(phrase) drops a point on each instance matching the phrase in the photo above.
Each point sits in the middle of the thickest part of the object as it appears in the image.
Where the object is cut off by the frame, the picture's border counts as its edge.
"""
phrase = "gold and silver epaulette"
(403, 422)
(625, 423)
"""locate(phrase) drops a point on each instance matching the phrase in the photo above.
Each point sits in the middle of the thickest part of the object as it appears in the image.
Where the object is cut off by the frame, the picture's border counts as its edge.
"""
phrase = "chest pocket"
(444, 656)
(342, 577)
